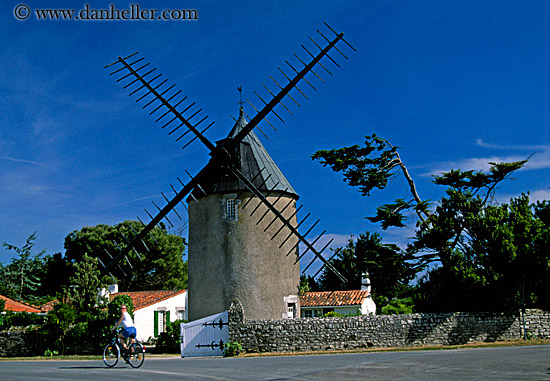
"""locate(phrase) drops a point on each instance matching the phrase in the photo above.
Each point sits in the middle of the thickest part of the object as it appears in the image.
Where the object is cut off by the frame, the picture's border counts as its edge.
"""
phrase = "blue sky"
(455, 84)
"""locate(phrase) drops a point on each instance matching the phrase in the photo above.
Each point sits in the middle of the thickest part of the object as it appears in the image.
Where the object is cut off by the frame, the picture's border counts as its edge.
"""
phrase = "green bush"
(332, 314)
(398, 307)
(68, 332)
(20, 319)
(232, 349)
(49, 353)
(169, 341)
(114, 307)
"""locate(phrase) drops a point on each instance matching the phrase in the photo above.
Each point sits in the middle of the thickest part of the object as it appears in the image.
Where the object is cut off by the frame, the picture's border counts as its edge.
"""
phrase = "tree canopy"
(487, 255)
(388, 267)
(158, 266)
(499, 257)
(21, 278)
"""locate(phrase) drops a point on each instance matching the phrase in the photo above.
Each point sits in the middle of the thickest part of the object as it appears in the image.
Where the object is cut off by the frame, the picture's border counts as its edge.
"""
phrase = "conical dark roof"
(254, 162)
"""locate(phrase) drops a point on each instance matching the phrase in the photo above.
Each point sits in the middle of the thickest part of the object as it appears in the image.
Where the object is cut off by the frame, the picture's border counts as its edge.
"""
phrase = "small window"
(312, 313)
(162, 321)
(230, 212)
(181, 314)
(291, 310)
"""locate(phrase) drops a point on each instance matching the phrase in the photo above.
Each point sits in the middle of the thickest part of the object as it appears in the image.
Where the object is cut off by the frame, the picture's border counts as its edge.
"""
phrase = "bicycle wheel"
(111, 354)
(136, 355)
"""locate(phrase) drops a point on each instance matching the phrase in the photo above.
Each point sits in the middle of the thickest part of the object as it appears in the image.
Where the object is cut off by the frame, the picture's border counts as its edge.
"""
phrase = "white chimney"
(113, 289)
(365, 282)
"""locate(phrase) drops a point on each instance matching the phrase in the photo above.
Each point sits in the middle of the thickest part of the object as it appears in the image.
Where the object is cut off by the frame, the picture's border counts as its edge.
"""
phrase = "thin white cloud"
(540, 160)
(539, 195)
(129, 202)
(534, 196)
(483, 144)
(35, 190)
(538, 155)
(25, 161)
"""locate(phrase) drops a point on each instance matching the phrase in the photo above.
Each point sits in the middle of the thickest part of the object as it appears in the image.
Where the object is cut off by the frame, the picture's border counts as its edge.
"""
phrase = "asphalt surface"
(504, 363)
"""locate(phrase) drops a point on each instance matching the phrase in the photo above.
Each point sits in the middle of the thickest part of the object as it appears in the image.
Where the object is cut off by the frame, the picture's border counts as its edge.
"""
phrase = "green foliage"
(56, 274)
(398, 307)
(308, 284)
(63, 315)
(59, 321)
(491, 257)
(2, 305)
(479, 180)
(69, 332)
(389, 268)
(373, 167)
(487, 253)
(77, 323)
(114, 307)
(49, 353)
(162, 267)
(21, 277)
(391, 214)
(232, 349)
(304, 285)
(84, 284)
(368, 167)
(169, 341)
(332, 314)
(20, 319)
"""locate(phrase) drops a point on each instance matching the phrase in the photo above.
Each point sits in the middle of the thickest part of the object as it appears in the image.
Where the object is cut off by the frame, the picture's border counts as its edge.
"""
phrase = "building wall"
(231, 260)
(144, 317)
(342, 310)
(368, 307)
(318, 334)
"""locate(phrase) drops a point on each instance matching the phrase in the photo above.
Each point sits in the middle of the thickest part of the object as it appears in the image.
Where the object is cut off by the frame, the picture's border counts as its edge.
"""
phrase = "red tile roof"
(14, 305)
(333, 298)
(144, 299)
(47, 307)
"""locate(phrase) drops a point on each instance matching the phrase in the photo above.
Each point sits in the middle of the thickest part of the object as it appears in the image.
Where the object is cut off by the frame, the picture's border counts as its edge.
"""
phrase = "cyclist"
(128, 325)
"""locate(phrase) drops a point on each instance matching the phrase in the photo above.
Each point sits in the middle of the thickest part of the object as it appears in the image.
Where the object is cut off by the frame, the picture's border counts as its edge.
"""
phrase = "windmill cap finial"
(240, 102)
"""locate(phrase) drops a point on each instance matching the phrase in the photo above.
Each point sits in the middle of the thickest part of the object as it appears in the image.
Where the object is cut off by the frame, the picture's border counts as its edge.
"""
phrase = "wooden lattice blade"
(277, 99)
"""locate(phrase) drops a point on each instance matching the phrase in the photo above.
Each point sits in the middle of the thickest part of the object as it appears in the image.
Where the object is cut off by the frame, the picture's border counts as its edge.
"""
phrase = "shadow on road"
(86, 367)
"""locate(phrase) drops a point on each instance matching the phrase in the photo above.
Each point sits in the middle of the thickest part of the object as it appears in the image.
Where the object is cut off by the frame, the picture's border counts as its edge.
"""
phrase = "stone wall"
(18, 342)
(289, 335)
(537, 324)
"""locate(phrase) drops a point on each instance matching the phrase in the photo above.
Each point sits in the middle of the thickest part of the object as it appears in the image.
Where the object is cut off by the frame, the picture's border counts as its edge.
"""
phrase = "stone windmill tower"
(243, 229)
(231, 253)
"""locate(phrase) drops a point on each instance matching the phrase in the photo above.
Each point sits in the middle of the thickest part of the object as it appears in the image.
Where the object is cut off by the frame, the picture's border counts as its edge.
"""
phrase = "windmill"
(238, 200)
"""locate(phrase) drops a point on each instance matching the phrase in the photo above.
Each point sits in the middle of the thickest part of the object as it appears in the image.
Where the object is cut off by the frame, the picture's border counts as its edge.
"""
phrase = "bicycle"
(133, 355)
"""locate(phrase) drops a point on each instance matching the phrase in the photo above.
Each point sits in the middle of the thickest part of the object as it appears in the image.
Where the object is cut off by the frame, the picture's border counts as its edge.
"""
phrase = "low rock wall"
(19, 342)
(314, 334)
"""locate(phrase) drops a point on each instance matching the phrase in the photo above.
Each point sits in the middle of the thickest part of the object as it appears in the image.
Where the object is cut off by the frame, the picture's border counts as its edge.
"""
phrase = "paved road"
(507, 363)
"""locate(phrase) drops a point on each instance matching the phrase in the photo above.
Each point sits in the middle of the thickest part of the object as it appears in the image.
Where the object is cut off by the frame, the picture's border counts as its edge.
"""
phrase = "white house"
(316, 304)
(154, 309)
